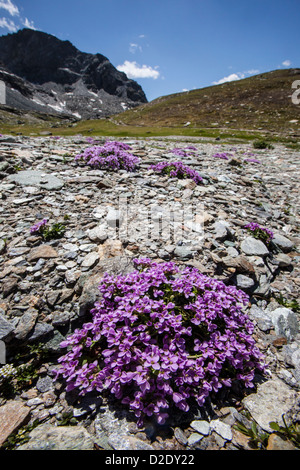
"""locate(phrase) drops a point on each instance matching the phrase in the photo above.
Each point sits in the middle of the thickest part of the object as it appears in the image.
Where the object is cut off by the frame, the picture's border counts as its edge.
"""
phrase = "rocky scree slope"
(48, 287)
(43, 73)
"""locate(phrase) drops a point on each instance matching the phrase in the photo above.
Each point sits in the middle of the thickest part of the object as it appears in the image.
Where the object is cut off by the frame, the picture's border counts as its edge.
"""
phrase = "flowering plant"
(261, 233)
(223, 156)
(162, 336)
(186, 152)
(39, 227)
(110, 156)
(56, 230)
(177, 169)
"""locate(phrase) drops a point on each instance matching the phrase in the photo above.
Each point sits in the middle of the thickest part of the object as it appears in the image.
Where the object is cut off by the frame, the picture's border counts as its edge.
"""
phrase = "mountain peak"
(58, 67)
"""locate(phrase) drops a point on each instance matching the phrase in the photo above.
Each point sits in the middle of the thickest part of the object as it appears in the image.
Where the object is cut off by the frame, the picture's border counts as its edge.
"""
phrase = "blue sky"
(169, 46)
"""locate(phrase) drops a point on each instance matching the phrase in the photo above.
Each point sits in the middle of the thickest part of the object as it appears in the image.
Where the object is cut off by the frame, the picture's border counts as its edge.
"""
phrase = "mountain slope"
(263, 102)
(60, 78)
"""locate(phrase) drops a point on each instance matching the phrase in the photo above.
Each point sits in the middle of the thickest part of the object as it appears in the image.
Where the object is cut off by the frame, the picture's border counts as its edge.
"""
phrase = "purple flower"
(154, 350)
(177, 170)
(38, 228)
(223, 156)
(110, 156)
(261, 233)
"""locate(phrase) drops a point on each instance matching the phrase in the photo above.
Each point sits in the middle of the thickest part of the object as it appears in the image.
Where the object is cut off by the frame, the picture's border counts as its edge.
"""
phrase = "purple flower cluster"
(259, 232)
(160, 337)
(39, 227)
(186, 152)
(110, 156)
(223, 156)
(177, 170)
(91, 140)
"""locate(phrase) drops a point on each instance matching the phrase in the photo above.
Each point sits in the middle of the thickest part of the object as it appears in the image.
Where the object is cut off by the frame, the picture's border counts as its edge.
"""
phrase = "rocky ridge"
(44, 74)
(47, 288)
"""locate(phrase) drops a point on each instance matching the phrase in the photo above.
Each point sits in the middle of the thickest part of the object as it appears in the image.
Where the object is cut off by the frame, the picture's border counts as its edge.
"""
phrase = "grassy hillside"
(258, 107)
(262, 102)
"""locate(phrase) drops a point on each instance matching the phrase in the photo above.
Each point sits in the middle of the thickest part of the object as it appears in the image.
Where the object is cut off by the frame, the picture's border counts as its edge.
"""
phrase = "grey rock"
(98, 234)
(2, 246)
(90, 291)
(34, 402)
(262, 318)
(6, 328)
(201, 426)
(180, 436)
(37, 178)
(244, 282)
(285, 322)
(251, 246)
(120, 442)
(4, 166)
(9, 286)
(223, 429)
(221, 231)
(40, 330)
(283, 242)
(183, 252)
(44, 384)
(90, 260)
(264, 285)
(284, 261)
(194, 438)
(291, 354)
(113, 429)
(52, 344)
(50, 437)
(26, 324)
(272, 400)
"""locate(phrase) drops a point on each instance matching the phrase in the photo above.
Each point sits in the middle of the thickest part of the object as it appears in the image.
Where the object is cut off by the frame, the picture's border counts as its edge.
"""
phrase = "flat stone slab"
(12, 416)
(273, 399)
(50, 437)
(42, 251)
(36, 178)
(252, 246)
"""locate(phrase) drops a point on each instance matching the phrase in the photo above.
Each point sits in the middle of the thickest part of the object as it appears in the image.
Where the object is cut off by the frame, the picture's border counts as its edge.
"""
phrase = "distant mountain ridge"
(43, 73)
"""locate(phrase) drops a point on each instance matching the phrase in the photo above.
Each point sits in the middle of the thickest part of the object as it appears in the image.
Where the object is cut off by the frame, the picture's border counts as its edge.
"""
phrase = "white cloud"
(28, 24)
(286, 63)
(134, 70)
(252, 72)
(134, 47)
(8, 24)
(12, 9)
(230, 78)
(236, 76)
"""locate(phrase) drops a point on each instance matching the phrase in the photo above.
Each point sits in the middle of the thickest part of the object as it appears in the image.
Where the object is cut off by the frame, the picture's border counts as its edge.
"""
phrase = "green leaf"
(274, 426)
